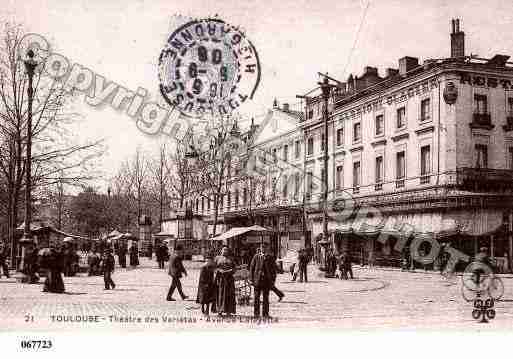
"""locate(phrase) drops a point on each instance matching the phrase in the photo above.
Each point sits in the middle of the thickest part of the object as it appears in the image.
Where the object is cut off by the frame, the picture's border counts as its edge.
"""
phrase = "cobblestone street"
(375, 299)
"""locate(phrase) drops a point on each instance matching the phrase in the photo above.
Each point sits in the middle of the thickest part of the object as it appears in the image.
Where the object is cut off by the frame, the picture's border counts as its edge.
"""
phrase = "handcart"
(242, 285)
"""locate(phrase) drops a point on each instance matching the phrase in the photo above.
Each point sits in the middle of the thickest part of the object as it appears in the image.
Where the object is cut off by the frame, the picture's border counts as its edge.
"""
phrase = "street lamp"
(326, 91)
(30, 67)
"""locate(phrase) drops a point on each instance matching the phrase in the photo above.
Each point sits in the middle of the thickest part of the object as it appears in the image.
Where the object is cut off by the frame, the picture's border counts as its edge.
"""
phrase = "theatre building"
(428, 145)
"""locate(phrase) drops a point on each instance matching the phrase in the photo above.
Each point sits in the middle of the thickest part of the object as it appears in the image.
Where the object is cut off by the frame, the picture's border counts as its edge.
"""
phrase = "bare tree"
(55, 150)
(215, 151)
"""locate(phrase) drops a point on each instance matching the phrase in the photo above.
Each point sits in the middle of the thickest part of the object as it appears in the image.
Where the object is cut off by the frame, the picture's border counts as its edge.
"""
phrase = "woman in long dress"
(225, 303)
(54, 263)
(134, 256)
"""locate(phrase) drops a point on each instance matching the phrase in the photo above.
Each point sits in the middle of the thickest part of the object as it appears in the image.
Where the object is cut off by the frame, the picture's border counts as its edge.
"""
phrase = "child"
(206, 286)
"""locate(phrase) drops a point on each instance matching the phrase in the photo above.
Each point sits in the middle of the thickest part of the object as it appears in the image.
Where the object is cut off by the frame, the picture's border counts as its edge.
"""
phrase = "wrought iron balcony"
(482, 120)
(484, 179)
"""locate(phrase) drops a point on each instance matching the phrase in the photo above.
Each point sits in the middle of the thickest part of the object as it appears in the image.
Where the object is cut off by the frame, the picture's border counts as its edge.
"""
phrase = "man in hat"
(108, 268)
(176, 269)
(3, 260)
(262, 273)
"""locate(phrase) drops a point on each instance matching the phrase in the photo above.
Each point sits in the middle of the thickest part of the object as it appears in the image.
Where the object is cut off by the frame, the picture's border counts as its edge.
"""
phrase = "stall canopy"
(237, 231)
(36, 227)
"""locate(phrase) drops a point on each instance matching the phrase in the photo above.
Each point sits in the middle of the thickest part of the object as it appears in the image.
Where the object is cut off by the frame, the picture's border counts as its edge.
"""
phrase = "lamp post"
(326, 91)
(30, 66)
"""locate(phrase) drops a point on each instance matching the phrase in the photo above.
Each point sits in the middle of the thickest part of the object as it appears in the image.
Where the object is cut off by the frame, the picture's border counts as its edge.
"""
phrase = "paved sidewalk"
(375, 299)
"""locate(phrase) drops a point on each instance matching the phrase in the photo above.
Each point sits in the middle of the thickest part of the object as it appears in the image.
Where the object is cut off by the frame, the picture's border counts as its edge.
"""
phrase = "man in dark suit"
(176, 269)
(108, 268)
(262, 273)
(303, 265)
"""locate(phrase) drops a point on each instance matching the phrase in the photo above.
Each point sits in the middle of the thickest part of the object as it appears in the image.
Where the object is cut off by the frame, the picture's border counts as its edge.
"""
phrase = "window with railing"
(425, 110)
(379, 173)
(357, 175)
(510, 158)
(400, 169)
(481, 152)
(340, 137)
(357, 132)
(339, 179)
(285, 188)
(297, 184)
(286, 153)
(425, 164)
(509, 115)
(401, 117)
(481, 116)
(380, 125)
(309, 185)
(310, 146)
(297, 148)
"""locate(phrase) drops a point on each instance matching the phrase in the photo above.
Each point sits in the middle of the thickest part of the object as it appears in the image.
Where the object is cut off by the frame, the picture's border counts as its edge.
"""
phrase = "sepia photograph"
(208, 166)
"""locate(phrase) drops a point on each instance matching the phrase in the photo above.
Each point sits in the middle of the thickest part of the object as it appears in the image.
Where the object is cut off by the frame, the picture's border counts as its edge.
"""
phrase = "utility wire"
(356, 37)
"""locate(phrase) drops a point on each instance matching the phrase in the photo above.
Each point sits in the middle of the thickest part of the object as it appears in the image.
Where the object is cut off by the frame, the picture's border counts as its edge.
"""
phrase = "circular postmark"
(208, 68)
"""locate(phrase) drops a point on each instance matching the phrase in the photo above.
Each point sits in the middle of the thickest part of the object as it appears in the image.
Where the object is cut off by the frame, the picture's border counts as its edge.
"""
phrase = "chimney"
(457, 40)
(370, 70)
(286, 107)
(406, 64)
(391, 72)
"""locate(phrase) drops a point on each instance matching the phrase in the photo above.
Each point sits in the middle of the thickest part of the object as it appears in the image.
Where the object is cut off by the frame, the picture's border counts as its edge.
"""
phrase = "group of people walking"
(216, 286)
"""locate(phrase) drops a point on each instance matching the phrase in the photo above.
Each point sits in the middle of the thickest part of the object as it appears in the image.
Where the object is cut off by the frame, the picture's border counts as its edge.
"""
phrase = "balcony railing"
(482, 120)
(484, 179)
(399, 183)
(424, 179)
(378, 186)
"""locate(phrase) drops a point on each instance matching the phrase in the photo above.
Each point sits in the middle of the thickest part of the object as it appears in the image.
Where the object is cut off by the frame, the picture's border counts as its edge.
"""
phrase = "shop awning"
(474, 222)
(237, 231)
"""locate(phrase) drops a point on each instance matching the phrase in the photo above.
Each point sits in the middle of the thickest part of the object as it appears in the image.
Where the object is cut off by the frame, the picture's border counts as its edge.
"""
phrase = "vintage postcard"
(209, 165)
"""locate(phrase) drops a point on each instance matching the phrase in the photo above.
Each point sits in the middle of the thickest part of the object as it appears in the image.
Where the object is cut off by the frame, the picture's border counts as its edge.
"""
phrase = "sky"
(122, 39)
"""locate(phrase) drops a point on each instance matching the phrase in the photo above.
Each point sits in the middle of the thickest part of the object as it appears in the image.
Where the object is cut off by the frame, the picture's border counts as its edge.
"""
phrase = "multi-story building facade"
(427, 146)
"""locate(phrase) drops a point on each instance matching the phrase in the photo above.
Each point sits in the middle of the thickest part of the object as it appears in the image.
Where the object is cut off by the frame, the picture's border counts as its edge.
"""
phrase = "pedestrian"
(108, 268)
(225, 283)
(206, 286)
(262, 274)
(122, 255)
(303, 266)
(91, 262)
(275, 290)
(176, 269)
(162, 255)
(134, 256)
(348, 266)
(3, 260)
(53, 261)
(150, 251)
(294, 270)
(342, 267)
(31, 264)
